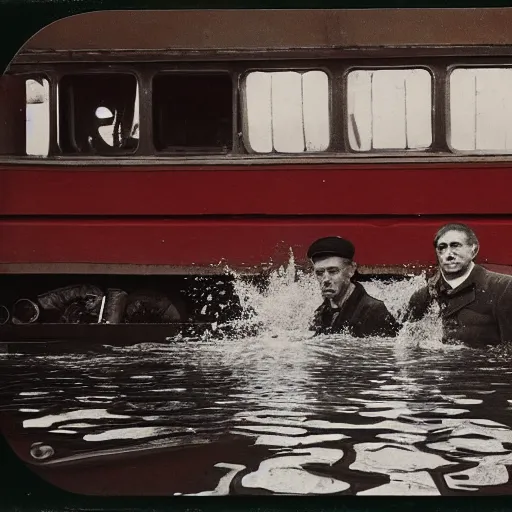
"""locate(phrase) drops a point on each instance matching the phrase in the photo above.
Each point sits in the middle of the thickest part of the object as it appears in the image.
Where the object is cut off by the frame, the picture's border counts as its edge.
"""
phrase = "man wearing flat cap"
(347, 306)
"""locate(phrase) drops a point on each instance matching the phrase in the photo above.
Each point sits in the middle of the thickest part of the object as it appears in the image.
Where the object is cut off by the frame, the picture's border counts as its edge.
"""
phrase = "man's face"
(333, 274)
(454, 253)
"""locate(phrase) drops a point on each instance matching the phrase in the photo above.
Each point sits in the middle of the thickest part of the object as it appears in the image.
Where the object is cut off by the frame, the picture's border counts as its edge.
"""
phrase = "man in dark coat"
(347, 305)
(475, 304)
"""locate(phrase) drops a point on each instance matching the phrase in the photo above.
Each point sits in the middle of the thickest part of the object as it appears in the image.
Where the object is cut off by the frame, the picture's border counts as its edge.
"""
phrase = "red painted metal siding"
(247, 216)
(386, 189)
(238, 243)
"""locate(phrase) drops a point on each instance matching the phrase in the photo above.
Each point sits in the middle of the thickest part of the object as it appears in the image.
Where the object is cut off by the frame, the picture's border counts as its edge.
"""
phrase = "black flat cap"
(333, 245)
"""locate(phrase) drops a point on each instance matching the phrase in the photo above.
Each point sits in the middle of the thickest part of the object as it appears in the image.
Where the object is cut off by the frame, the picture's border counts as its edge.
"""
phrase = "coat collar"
(453, 300)
(347, 309)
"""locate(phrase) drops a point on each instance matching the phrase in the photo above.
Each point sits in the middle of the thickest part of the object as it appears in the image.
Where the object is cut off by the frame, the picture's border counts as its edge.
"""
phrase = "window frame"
(475, 65)
(29, 74)
(349, 149)
(48, 78)
(333, 143)
(228, 71)
(94, 71)
(337, 65)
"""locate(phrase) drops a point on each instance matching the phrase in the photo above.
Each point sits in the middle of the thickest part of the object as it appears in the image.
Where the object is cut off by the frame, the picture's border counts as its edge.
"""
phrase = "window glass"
(193, 112)
(286, 111)
(98, 114)
(481, 109)
(37, 115)
(389, 109)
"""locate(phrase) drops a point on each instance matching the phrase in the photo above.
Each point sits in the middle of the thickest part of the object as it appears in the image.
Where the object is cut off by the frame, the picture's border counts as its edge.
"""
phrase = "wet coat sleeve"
(316, 322)
(380, 322)
(418, 305)
(503, 314)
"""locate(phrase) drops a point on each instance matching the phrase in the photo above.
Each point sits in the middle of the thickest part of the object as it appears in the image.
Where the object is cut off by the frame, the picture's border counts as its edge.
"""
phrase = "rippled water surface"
(280, 412)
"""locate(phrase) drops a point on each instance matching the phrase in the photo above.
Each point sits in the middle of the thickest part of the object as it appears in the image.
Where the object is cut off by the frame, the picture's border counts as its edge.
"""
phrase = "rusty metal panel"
(276, 29)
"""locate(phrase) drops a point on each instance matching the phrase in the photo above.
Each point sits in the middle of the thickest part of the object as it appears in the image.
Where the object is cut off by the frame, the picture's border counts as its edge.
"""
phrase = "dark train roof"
(231, 31)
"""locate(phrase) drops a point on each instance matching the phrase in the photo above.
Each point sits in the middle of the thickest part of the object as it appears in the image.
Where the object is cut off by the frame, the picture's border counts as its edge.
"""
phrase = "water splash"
(426, 333)
(284, 307)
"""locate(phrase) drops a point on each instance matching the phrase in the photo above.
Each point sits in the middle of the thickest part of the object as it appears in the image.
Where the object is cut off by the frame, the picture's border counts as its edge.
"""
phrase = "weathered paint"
(199, 219)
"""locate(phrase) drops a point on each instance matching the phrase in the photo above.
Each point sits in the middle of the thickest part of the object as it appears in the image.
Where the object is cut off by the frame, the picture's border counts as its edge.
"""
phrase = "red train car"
(138, 152)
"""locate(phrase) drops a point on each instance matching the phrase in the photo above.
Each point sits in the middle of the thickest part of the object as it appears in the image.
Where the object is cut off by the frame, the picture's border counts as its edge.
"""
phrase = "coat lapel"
(349, 310)
(453, 300)
(459, 299)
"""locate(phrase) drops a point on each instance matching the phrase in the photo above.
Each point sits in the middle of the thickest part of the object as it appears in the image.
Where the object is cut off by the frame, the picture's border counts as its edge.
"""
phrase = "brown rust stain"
(277, 29)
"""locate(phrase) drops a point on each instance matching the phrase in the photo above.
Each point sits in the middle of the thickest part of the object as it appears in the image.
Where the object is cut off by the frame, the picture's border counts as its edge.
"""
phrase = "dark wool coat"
(477, 313)
(362, 315)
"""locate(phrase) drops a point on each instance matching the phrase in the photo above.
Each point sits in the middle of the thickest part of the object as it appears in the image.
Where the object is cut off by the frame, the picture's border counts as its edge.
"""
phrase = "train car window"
(98, 114)
(37, 117)
(481, 109)
(286, 111)
(389, 109)
(193, 113)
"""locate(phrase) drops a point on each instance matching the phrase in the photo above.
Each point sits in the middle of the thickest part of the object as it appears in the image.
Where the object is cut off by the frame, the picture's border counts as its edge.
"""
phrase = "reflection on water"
(290, 413)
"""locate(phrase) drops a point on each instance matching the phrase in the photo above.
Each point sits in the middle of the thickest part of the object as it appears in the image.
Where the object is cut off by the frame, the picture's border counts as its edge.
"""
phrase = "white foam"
(286, 306)
(275, 429)
(284, 441)
(403, 438)
(418, 483)
(128, 433)
(286, 474)
(389, 458)
(479, 476)
(80, 414)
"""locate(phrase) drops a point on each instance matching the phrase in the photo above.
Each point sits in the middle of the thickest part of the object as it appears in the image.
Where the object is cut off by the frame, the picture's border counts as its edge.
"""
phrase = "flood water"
(281, 411)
